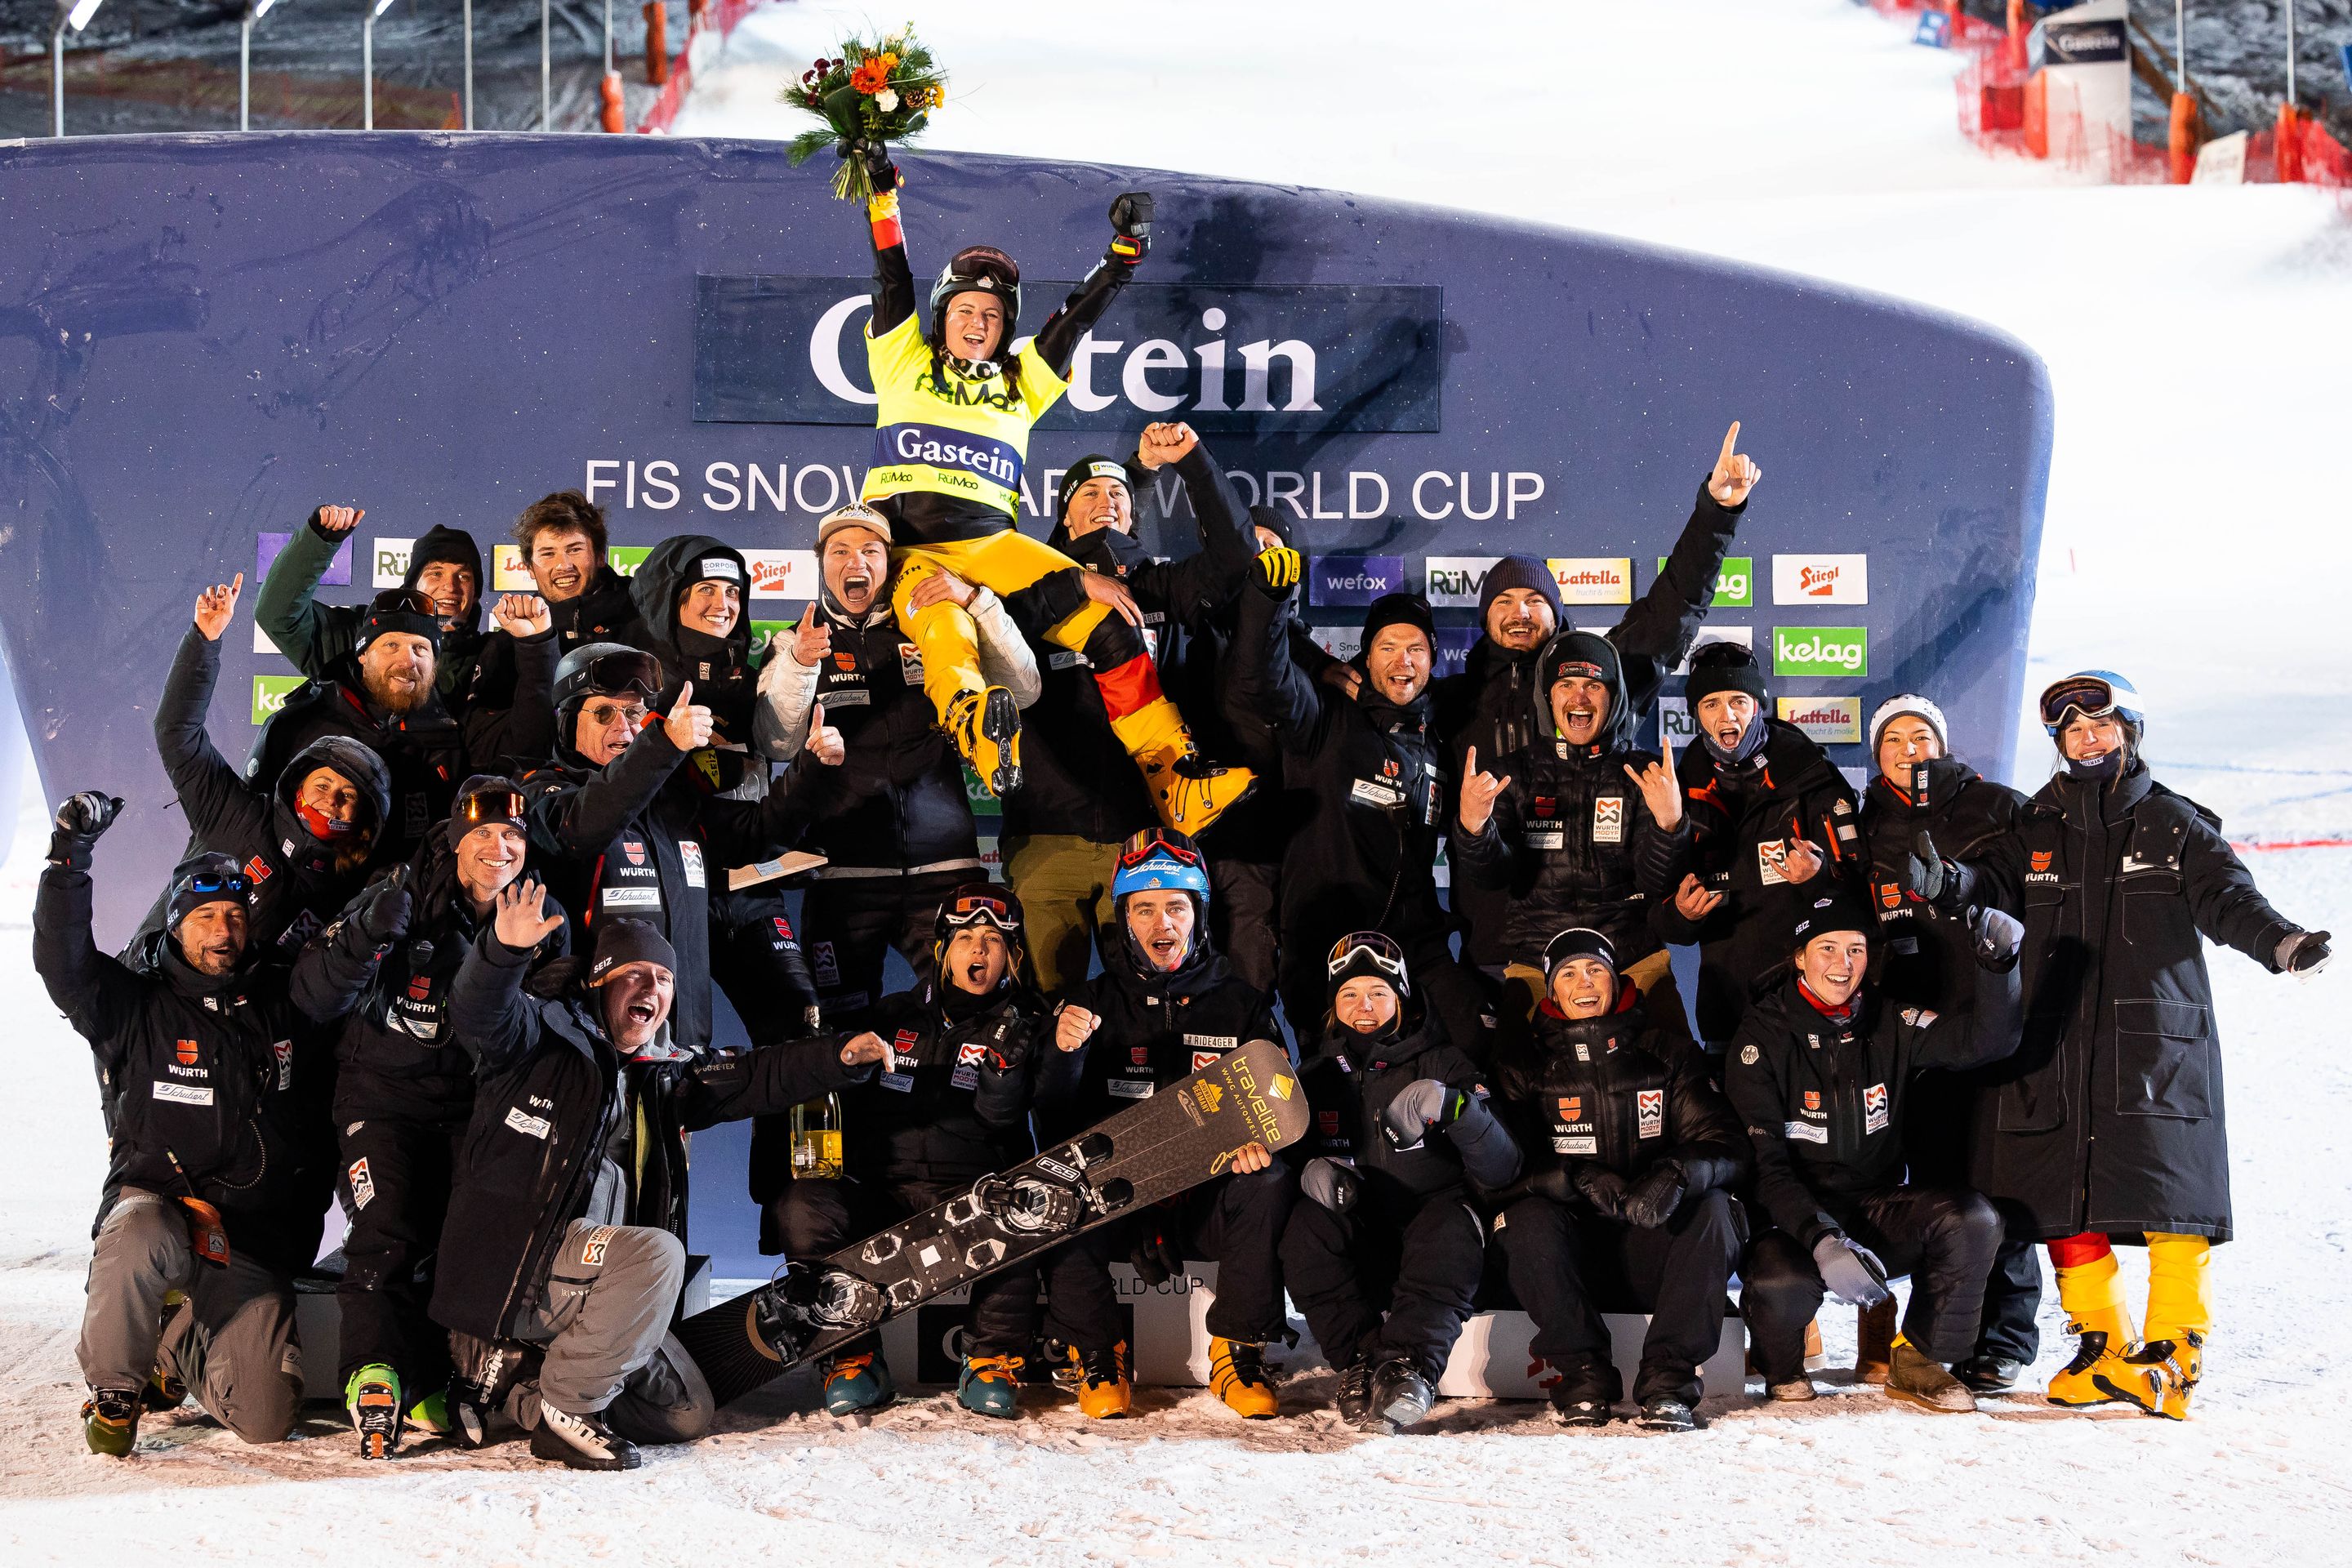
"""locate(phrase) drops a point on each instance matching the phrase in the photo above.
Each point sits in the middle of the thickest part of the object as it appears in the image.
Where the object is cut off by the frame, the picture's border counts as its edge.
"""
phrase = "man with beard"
(1164, 1007)
(893, 820)
(1499, 705)
(212, 1194)
(445, 564)
(564, 1251)
(382, 696)
(1079, 797)
(304, 841)
(404, 1093)
(689, 595)
(564, 547)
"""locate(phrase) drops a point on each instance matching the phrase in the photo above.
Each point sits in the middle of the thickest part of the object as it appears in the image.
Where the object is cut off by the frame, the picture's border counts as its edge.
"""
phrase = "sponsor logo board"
(1455, 582)
(1353, 579)
(1735, 584)
(270, 692)
(783, 573)
(1592, 579)
(1831, 651)
(1821, 579)
(1825, 721)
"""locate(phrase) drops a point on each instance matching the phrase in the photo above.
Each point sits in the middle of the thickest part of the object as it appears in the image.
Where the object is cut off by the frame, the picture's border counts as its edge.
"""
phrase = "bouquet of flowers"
(880, 92)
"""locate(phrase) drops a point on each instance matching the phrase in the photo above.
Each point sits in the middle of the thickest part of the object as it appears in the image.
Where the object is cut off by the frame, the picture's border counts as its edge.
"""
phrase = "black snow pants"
(1419, 1259)
(394, 1188)
(1234, 1221)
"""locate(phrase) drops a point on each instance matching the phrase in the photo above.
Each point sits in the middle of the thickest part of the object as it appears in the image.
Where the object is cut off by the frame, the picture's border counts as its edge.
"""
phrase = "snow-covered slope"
(2195, 540)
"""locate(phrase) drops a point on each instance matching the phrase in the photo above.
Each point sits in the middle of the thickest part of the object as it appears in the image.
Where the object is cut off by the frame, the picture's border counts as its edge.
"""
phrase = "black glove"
(1924, 873)
(1330, 1183)
(1998, 937)
(1155, 1258)
(383, 919)
(1130, 217)
(79, 822)
(1652, 1201)
(1603, 1188)
(1852, 1271)
(1278, 571)
(1012, 1053)
(2304, 954)
(875, 154)
(1419, 1105)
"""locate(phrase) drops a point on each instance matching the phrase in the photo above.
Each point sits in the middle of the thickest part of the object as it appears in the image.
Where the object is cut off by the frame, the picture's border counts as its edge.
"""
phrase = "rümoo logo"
(1820, 650)
(1224, 358)
(390, 561)
(1455, 582)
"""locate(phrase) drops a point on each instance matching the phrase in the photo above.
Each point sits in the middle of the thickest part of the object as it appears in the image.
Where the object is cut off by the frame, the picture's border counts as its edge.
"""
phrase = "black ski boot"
(1989, 1373)
(1355, 1396)
(487, 1372)
(1583, 1395)
(1667, 1415)
(581, 1442)
(1401, 1394)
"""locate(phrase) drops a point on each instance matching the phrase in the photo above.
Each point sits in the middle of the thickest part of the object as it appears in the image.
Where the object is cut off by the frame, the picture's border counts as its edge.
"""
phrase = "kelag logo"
(1354, 579)
(1735, 586)
(270, 692)
(1820, 650)
(1237, 358)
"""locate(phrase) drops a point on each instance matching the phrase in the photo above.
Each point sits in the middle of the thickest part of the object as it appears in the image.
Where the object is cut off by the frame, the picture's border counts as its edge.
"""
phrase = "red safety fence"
(714, 16)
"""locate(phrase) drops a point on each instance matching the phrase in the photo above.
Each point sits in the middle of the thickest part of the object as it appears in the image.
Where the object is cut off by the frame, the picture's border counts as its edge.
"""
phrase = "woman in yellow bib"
(955, 405)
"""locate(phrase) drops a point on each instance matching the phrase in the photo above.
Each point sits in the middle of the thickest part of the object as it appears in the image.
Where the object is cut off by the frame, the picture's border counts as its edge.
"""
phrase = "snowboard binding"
(808, 1300)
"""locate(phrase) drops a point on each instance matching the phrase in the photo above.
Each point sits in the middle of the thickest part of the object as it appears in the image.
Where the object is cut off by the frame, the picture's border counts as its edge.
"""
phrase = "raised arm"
(894, 280)
(213, 795)
(92, 990)
(1130, 222)
(287, 609)
(489, 1017)
(780, 714)
(771, 1080)
(1265, 688)
(1655, 632)
(581, 819)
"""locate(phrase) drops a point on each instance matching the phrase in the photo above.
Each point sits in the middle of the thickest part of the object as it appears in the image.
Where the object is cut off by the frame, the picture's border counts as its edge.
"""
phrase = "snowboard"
(1183, 1135)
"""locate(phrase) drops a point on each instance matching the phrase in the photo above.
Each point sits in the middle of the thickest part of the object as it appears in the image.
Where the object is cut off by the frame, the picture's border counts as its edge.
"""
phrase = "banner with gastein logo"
(1301, 359)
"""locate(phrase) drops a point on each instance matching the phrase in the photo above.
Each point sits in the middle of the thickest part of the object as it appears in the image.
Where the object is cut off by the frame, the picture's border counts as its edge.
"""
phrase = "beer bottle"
(816, 1140)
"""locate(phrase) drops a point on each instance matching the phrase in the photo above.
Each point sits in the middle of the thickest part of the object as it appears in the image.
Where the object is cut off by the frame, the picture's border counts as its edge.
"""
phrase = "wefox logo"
(1820, 650)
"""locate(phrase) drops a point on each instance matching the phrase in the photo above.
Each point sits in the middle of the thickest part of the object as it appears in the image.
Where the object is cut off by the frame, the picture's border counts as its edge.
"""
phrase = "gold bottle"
(816, 1140)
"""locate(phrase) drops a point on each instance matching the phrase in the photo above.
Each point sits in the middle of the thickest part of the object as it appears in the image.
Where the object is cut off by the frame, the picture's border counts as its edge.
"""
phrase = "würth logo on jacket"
(634, 850)
(187, 1051)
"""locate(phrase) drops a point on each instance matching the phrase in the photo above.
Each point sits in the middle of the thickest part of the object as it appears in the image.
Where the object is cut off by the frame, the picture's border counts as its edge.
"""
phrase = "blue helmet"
(1161, 857)
(2096, 694)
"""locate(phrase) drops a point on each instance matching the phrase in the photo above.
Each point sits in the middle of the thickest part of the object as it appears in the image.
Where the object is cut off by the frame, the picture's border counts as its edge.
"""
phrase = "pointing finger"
(1470, 760)
(1730, 441)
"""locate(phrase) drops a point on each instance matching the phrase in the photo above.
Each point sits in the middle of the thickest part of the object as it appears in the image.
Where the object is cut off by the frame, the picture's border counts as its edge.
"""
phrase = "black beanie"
(1577, 941)
(398, 610)
(1588, 654)
(1093, 466)
(453, 545)
(1723, 667)
(1834, 910)
(1273, 522)
(200, 880)
(623, 942)
(487, 798)
(1518, 572)
(1393, 609)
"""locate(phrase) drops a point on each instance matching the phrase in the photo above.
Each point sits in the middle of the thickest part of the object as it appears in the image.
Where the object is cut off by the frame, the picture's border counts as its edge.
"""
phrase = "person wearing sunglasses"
(382, 696)
(564, 1251)
(306, 838)
(1165, 1006)
(1402, 1145)
(949, 1106)
(2107, 1125)
(622, 827)
(404, 1093)
(445, 564)
(1626, 1202)
(214, 1099)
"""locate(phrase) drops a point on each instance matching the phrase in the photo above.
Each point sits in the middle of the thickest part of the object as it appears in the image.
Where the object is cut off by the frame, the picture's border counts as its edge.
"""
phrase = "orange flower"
(872, 75)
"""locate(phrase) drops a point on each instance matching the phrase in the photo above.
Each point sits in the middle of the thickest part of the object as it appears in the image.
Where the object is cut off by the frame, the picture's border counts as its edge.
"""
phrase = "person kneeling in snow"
(1388, 1223)
(218, 1141)
(1822, 1070)
(563, 1244)
(1631, 1200)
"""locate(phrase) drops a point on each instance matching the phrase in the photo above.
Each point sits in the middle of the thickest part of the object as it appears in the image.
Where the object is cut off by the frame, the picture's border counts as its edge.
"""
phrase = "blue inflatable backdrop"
(201, 337)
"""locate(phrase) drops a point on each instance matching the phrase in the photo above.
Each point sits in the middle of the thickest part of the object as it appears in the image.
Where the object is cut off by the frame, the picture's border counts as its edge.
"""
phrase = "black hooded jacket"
(953, 1104)
(720, 668)
(1494, 704)
(602, 612)
(1075, 776)
(1924, 957)
(1617, 1092)
(1741, 819)
(218, 1073)
(316, 637)
(1350, 1082)
(1155, 1028)
(554, 1100)
(1571, 841)
(396, 1056)
(1825, 1094)
(298, 879)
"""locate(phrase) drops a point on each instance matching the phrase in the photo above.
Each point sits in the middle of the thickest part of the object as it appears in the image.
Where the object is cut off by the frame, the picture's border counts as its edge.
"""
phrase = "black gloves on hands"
(1602, 1188)
(1330, 1183)
(1130, 218)
(1420, 1105)
(876, 156)
(383, 919)
(79, 822)
(1998, 937)
(1652, 1201)
(2303, 955)
(1853, 1272)
(1924, 873)
(1278, 571)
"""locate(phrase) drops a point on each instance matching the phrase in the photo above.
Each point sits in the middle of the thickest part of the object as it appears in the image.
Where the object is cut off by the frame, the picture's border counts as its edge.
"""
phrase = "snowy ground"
(2195, 540)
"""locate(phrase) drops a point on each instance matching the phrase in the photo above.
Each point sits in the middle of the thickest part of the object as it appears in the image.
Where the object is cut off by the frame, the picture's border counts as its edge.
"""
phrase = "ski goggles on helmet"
(494, 801)
(615, 674)
(1152, 841)
(1366, 954)
(2095, 694)
(969, 907)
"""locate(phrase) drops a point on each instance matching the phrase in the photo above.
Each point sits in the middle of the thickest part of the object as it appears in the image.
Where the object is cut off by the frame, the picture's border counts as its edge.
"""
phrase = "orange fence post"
(656, 43)
(2013, 50)
(616, 117)
(2037, 114)
(2183, 142)
(2290, 143)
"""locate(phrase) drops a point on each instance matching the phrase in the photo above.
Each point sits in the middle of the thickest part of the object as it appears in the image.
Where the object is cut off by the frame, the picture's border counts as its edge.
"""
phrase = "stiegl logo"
(1817, 581)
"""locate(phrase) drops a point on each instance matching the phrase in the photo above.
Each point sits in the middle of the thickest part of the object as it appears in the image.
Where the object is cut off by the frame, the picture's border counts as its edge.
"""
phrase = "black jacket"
(396, 1055)
(1363, 782)
(427, 753)
(1615, 1091)
(955, 1106)
(218, 1073)
(298, 882)
(316, 637)
(720, 668)
(2109, 1117)
(1925, 958)
(1825, 1097)
(638, 838)
(1788, 790)
(897, 801)
(1349, 1082)
(603, 611)
(1155, 1028)
(1075, 777)
(555, 1103)
(1494, 704)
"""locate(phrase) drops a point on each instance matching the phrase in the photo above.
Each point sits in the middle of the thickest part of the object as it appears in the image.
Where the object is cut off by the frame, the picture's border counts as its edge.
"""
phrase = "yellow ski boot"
(1104, 1391)
(2092, 1295)
(2160, 1377)
(1237, 1375)
(1189, 791)
(986, 727)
